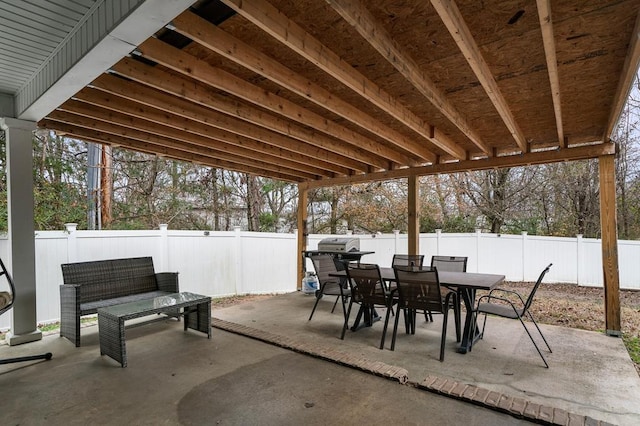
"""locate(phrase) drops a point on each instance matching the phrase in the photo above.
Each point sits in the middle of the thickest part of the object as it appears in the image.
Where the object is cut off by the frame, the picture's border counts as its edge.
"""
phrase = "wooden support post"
(413, 216)
(302, 231)
(608, 225)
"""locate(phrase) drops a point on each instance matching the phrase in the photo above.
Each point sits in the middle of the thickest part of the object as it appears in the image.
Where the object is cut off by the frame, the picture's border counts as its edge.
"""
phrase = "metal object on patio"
(505, 308)
(7, 299)
(339, 244)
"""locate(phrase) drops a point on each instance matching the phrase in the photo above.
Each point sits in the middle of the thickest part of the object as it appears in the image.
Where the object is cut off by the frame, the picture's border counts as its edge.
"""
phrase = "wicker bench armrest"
(167, 281)
(71, 291)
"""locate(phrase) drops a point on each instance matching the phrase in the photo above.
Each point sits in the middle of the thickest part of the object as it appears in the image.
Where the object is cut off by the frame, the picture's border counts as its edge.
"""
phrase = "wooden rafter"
(109, 122)
(142, 95)
(548, 39)
(270, 20)
(207, 123)
(532, 158)
(217, 40)
(240, 145)
(92, 135)
(453, 20)
(199, 70)
(356, 14)
(631, 63)
(333, 150)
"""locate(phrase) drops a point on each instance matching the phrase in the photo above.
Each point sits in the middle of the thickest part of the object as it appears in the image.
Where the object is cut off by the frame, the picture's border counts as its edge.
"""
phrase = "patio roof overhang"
(314, 91)
(331, 92)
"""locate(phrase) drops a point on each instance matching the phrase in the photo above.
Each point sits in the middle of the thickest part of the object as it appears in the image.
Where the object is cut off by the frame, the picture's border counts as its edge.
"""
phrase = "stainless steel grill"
(339, 244)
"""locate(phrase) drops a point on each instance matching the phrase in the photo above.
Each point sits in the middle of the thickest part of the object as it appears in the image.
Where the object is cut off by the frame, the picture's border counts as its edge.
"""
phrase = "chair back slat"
(407, 260)
(535, 288)
(366, 284)
(324, 265)
(449, 263)
(419, 288)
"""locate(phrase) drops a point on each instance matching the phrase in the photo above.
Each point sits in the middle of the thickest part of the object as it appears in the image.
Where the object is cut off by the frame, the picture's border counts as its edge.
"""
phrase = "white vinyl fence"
(236, 262)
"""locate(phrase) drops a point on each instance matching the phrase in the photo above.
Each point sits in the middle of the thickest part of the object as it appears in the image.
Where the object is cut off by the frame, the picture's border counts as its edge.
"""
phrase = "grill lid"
(339, 244)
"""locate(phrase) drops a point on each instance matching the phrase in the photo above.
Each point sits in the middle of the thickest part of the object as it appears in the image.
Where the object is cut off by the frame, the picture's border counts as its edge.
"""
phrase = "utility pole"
(93, 185)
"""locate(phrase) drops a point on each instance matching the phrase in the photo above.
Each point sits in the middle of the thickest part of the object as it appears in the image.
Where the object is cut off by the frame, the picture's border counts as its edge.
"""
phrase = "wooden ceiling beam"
(287, 32)
(185, 64)
(120, 125)
(532, 158)
(215, 39)
(549, 42)
(136, 109)
(91, 135)
(180, 95)
(453, 20)
(629, 71)
(357, 15)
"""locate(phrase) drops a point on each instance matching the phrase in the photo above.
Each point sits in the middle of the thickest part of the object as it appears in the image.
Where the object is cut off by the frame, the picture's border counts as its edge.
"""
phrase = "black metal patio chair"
(419, 289)
(324, 265)
(497, 303)
(452, 264)
(369, 290)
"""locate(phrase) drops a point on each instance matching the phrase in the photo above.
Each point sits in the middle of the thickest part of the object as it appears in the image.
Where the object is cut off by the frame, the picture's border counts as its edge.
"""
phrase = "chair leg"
(406, 312)
(444, 333)
(384, 329)
(534, 342)
(395, 327)
(539, 331)
(346, 320)
(334, 304)
(318, 297)
(484, 325)
(456, 313)
(413, 318)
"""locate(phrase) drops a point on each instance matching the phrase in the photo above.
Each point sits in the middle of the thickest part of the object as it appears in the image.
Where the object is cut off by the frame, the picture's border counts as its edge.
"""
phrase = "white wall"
(235, 262)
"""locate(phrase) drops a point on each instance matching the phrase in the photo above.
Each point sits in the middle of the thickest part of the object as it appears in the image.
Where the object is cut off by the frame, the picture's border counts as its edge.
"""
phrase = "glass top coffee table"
(195, 308)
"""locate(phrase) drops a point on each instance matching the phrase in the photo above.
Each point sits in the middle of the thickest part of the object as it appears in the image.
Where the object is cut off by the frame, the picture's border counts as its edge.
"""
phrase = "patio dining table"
(468, 283)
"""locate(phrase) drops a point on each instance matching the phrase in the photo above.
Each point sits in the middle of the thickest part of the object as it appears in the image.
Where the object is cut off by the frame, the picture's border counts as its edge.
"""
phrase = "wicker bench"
(89, 286)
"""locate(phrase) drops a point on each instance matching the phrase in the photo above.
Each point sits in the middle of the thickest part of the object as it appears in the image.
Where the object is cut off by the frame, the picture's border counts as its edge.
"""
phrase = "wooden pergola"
(339, 92)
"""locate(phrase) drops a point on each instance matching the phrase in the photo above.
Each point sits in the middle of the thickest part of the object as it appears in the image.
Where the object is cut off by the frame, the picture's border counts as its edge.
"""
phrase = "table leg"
(198, 318)
(469, 297)
(112, 338)
(370, 316)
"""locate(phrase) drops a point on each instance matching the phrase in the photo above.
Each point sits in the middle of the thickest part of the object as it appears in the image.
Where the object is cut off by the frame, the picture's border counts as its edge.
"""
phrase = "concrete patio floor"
(590, 374)
(183, 378)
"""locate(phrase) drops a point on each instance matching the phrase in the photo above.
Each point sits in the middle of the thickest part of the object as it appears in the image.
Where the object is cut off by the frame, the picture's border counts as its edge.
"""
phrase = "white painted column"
(19, 147)
(438, 236)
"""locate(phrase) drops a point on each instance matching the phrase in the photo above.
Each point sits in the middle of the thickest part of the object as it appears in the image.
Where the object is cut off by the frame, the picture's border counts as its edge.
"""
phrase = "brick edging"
(375, 367)
(516, 407)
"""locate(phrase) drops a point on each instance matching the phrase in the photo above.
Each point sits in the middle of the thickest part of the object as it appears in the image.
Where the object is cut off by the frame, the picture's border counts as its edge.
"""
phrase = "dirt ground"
(575, 306)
